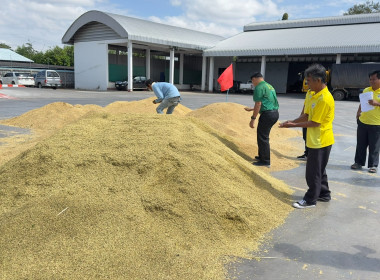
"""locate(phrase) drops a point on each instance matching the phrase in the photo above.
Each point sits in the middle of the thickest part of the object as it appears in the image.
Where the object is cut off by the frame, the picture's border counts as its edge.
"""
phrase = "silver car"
(48, 78)
(17, 78)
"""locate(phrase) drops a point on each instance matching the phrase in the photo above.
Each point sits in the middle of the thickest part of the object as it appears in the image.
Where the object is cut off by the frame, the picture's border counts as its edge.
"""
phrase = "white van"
(48, 78)
(17, 78)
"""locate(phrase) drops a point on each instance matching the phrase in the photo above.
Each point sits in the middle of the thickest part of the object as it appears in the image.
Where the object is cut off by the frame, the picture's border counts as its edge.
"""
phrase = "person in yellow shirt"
(317, 117)
(368, 132)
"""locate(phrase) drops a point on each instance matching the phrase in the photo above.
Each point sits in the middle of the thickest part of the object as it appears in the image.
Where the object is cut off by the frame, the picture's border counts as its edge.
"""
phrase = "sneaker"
(372, 169)
(324, 199)
(257, 158)
(302, 157)
(356, 166)
(261, 163)
(302, 204)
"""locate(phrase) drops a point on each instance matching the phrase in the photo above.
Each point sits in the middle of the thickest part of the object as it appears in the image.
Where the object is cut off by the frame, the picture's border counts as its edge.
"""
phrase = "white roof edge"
(314, 22)
(145, 31)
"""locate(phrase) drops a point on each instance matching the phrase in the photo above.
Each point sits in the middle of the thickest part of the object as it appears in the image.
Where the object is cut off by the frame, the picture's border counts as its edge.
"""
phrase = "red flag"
(226, 80)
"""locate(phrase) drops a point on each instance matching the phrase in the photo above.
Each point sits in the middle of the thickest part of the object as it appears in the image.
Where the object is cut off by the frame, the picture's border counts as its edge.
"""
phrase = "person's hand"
(373, 102)
(252, 124)
(287, 124)
(283, 124)
(248, 109)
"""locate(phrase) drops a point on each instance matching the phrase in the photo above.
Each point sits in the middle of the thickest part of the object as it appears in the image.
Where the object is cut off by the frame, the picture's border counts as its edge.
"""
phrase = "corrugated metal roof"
(144, 31)
(312, 22)
(356, 38)
(9, 55)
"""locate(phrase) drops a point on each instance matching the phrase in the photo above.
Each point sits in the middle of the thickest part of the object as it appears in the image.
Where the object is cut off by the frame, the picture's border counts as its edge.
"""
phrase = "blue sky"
(43, 23)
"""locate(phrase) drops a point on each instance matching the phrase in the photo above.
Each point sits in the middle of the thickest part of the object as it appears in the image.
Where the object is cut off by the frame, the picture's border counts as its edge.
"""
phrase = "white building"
(109, 45)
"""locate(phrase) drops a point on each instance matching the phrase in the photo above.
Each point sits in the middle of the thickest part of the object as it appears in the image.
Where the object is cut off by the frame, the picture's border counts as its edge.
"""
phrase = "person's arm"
(300, 124)
(301, 119)
(373, 102)
(256, 110)
(157, 91)
(359, 111)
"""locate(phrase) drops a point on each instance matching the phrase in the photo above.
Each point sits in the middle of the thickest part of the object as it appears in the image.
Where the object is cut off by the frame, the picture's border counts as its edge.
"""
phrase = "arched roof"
(97, 25)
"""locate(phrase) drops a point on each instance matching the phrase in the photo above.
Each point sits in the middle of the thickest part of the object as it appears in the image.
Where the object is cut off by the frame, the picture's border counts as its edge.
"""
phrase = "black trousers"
(304, 133)
(316, 177)
(266, 121)
(367, 136)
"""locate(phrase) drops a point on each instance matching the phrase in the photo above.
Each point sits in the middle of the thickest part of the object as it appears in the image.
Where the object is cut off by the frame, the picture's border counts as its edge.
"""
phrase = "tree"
(285, 16)
(367, 8)
(26, 50)
(4, 46)
(53, 56)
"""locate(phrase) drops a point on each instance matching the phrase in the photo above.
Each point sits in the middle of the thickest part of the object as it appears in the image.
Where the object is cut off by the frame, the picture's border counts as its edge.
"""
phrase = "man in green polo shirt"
(318, 117)
(266, 104)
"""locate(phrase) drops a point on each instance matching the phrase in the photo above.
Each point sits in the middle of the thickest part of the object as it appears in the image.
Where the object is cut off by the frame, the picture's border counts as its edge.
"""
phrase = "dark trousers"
(304, 133)
(316, 177)
(266, 121)
(367, 136)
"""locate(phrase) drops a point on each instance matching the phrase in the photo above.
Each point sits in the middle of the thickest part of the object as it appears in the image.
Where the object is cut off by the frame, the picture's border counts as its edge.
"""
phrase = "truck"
(246, 87)
(347, 80)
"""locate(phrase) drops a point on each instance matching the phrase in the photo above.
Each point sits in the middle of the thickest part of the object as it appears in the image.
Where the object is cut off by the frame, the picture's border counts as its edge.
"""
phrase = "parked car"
(48, 78)
(138, 83)
(246, 87)
(17, 78)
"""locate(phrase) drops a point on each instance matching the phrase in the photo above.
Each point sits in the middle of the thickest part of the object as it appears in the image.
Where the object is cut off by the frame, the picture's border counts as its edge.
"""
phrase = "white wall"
(91, 65)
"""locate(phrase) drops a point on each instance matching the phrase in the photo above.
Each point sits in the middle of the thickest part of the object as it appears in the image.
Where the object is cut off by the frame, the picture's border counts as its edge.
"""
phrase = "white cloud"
(41, 23)
(222, 17)
(176, 2)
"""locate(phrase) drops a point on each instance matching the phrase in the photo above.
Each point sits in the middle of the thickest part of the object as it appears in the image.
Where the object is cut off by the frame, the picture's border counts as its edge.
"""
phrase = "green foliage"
(285, 16)
(367, 8)
(53, 56)
(4, 46)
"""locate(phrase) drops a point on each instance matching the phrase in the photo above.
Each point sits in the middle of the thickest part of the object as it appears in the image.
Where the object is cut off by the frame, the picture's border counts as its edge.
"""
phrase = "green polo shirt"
(265, 94)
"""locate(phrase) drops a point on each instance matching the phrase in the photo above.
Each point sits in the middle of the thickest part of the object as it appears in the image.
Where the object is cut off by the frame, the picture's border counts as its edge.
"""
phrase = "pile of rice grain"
(107, 194)
(232, 120)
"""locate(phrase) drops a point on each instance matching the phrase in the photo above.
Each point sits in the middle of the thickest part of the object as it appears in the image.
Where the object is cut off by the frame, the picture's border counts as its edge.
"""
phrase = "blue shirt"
(164, 91)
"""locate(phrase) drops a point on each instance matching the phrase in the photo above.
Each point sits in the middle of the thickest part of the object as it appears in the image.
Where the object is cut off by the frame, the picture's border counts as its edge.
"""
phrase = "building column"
(130, 66)
(147, 63)
(171, 67)
(211, 75)
(203, 83)
(263, 65)
(338, 58)
(181, 62)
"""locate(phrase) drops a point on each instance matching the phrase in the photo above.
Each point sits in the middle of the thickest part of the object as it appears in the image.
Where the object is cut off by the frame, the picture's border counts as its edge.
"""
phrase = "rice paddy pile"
(232, 120)
(114, 194)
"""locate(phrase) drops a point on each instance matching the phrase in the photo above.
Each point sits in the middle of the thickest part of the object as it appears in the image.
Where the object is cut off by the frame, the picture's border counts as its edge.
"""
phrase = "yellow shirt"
(320, 108)
(309, 95)
(372, 117)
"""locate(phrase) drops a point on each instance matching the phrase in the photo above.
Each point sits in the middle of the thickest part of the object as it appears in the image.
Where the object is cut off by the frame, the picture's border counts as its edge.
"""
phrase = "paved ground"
(335, 240)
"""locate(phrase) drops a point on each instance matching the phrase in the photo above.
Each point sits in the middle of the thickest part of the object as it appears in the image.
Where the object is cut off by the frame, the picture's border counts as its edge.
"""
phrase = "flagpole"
(227, 95)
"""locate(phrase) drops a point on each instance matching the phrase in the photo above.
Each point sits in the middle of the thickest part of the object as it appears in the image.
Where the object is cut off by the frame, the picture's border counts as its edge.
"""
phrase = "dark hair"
(316, 71)
(148, 82)
(257, 75)
(376, 72)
